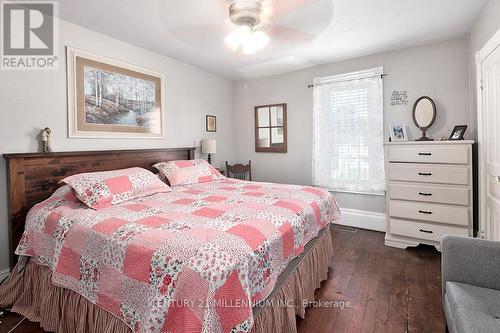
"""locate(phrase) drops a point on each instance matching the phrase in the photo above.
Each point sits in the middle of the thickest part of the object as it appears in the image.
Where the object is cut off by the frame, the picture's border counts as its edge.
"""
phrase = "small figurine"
(47, 147)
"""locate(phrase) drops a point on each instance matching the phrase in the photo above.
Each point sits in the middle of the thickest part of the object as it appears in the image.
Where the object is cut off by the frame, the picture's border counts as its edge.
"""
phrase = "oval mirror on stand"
(424, 115)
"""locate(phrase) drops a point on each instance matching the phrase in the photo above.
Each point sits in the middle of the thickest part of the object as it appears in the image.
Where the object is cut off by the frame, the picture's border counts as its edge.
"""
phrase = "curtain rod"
(320, 84)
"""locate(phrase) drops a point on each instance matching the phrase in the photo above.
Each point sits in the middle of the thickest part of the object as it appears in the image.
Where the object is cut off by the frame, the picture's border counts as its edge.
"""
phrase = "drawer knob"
(424, 212)
(425, 154)
(425, 174)
(425, 194)
(426, 231)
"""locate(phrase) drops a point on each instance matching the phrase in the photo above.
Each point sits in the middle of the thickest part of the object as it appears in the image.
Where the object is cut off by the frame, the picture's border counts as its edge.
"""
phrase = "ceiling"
(304, 33)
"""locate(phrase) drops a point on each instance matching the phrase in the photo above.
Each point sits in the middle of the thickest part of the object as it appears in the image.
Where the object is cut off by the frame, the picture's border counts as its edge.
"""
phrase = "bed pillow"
(104, 189)
(186, 172)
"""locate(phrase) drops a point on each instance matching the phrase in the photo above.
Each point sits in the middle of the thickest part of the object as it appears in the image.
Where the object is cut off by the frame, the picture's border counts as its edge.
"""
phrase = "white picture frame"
(398, 133)
(73, 125)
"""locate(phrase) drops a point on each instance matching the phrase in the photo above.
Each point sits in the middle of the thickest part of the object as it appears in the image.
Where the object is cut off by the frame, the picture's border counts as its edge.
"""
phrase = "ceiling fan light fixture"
(246, 15)
(238, 37)
(249, 49)
(261, 39)
(249, 40)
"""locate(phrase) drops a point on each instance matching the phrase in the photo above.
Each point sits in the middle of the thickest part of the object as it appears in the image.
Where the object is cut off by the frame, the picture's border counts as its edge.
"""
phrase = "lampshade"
(208, 146)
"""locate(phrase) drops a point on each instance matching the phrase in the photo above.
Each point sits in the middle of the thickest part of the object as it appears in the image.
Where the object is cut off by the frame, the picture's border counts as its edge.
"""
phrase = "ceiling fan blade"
(265, 26)
(200, 31)
(291, 35)
(283, 7)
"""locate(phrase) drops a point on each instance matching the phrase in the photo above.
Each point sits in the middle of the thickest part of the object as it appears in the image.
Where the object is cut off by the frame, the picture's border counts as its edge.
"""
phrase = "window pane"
(263, 114)
(277, 116)
(264, 140)
(277, 135)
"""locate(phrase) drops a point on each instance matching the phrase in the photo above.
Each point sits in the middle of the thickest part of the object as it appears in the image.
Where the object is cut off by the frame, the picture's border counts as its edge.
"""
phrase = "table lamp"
(209, 147)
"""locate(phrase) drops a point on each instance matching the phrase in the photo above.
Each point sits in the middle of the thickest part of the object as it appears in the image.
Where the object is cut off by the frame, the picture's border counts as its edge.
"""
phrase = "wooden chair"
(239, 171)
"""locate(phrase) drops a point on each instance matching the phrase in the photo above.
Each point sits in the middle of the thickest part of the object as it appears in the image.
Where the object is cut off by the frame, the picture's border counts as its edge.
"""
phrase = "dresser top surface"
(447, 142)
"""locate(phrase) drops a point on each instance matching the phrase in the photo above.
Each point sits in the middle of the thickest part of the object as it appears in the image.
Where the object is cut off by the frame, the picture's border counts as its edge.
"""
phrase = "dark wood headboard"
(33, 177)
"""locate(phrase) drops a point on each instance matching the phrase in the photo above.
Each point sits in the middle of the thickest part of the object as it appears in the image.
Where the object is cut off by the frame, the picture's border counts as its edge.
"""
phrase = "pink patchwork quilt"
(192, 260)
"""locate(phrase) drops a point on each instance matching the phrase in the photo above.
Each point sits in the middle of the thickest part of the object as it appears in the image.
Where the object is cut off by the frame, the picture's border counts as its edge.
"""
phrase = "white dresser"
(429, 191)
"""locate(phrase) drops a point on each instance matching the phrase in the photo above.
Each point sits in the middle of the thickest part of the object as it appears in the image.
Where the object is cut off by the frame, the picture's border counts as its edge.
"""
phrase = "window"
(270, 128)
(348, 154)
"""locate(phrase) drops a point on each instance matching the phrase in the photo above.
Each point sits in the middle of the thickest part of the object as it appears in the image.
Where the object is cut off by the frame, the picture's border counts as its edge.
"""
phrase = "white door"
(490, 141)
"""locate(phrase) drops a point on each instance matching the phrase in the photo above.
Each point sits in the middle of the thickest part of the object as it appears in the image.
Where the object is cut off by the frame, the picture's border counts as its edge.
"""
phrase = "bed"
(221, 256)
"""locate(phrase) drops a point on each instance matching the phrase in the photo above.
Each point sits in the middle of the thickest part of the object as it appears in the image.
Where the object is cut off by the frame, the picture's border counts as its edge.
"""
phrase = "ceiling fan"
(246, 25)
(252, 26)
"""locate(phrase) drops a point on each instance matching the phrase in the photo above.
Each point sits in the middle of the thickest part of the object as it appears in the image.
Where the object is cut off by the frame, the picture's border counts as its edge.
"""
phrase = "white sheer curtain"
(348, 154)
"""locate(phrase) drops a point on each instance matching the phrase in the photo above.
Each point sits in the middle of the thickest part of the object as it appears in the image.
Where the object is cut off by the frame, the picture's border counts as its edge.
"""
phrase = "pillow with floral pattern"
(107, 188)
(187, 172)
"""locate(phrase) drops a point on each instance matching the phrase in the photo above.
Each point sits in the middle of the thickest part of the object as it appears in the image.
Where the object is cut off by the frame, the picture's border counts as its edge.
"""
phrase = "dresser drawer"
(426, 231)
(430, 193)
(429, 212)
(428, 173)
(430, 154)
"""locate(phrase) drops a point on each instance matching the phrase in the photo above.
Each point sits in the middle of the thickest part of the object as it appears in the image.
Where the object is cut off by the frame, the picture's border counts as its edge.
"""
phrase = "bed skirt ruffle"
(32, 295)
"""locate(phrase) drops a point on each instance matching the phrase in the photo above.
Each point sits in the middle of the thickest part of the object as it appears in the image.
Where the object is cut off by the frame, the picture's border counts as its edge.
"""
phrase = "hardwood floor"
(383, 290)
(388, 289)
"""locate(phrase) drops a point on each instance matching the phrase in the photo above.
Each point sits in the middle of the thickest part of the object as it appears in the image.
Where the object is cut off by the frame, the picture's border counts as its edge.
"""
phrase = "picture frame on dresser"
(430, 191)
(458, 133)
(398, 133)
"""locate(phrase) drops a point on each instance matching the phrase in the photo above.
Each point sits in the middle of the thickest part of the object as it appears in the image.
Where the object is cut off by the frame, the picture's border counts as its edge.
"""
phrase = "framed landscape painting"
(110, 99)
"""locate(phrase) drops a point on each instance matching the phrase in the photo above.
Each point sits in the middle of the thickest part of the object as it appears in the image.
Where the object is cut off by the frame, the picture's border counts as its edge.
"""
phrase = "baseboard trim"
(362, 219)
(4, 273)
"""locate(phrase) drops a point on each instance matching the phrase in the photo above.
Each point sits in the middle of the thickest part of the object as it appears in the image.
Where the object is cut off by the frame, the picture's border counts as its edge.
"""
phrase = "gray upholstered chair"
(470, 270)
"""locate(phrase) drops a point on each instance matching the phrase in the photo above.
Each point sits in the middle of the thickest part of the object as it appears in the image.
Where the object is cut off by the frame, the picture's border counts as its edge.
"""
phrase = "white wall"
(438, 70)
(485, 26)
(31, 100)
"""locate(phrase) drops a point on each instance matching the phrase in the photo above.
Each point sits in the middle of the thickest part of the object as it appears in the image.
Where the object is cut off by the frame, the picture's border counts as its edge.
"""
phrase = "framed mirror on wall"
(270, 128)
